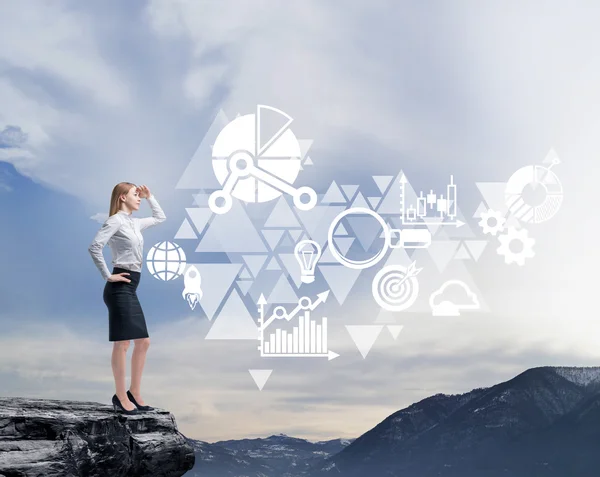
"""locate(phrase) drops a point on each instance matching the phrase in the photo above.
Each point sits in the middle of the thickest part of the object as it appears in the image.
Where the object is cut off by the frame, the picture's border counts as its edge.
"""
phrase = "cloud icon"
(452, 297)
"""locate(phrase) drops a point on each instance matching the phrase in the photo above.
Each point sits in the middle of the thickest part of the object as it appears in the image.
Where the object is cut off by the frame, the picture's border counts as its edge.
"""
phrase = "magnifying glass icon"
(392, 238)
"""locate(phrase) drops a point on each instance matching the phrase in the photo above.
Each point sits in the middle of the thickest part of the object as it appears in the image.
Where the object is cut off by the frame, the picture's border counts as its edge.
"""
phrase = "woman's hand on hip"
(118, 277)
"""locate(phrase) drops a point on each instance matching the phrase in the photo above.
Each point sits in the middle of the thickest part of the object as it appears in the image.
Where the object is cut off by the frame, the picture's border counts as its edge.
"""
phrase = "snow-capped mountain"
(543, 422)
(277, 455)
(490, 432)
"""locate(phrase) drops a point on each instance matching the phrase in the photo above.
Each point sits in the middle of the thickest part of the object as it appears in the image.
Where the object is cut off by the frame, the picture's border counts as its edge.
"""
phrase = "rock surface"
(53, 438)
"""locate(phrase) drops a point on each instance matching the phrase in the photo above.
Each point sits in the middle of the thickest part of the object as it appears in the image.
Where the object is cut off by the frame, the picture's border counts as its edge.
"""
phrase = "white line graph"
(308, 339)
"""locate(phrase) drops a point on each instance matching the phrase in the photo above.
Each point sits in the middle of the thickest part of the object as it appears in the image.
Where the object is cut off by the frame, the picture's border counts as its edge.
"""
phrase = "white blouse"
(123, 234)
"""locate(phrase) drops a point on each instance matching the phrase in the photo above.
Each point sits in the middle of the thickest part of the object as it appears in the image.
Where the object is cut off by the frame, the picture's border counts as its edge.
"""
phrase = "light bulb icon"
(307, 253)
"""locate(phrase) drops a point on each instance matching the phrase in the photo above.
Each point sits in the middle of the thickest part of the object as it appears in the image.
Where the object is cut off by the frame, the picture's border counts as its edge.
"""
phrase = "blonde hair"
(122, 188)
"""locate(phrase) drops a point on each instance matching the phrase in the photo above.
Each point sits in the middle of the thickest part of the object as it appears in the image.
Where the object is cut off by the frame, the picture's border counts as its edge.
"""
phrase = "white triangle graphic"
(234, 321)
(217, 280)
(283, 292)
(360, 201)
(340, 231)
(349, 190)
(493, 194)
(364, 336)
(462, 253)
(200, 217)
(195, 175)
(374, 201)
(282, 216)
(224, 230)
(245, 285)
(255, 263)
(395, 330)
(480, 210)
(260, 377)
(201, 199)
(305, 145)
(292, 267)
(273, 265)
(296, 234)
(442, 252)
(273, 237)
(383, 182)
(340, 280)
(476, 247)
(262, 111)
(185, 231)
(333, 195)
(343, 244)
(327, 257)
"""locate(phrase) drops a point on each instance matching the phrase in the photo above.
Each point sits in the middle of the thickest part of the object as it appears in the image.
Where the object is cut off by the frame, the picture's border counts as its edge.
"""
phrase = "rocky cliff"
(50, 438)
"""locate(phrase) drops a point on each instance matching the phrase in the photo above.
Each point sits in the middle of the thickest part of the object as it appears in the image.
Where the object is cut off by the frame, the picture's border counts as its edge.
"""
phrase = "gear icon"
(497, 219)
(508, 245)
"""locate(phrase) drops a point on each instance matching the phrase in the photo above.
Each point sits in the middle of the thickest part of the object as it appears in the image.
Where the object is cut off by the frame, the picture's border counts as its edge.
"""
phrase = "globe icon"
(166, 261)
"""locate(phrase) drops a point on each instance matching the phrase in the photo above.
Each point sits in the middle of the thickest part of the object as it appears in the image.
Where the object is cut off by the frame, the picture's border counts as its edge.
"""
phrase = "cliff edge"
(53, 438)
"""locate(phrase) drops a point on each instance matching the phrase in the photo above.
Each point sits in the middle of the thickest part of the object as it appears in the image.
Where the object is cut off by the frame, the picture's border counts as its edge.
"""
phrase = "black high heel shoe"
(141, 408)
(117, 404)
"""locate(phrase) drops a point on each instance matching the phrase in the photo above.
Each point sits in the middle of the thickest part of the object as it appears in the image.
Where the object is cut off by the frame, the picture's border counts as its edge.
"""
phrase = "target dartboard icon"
(395, 288)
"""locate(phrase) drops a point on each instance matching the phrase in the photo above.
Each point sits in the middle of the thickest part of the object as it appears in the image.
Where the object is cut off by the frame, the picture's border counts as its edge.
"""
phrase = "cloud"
(4, 179)
(203, 382)
(446, 301)
(52, 38)
(100, 217)
(302, 57)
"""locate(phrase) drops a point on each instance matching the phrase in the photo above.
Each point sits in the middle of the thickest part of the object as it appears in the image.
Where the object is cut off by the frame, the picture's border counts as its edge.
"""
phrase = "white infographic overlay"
(406, 238)
(166, 261)
(451, 297)
(516, 246)
(534, 193)
(395, 288)
(492, 222)
(424, 211)
(307, 253)
(308, 339)
(192, 291)
(255, 163)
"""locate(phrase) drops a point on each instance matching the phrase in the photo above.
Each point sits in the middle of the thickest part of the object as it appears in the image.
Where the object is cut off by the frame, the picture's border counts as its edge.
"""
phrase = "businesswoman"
(126, 320)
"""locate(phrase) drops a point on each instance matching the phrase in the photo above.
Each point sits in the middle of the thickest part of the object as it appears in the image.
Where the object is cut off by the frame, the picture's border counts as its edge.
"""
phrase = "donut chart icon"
(534, 193)
(256, 158)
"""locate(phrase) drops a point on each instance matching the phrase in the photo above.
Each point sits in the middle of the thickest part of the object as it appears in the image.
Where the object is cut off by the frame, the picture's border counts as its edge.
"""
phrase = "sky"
(94, 93)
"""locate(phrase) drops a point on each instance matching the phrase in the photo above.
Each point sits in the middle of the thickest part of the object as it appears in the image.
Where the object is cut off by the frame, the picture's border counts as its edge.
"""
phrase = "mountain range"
(543, 422)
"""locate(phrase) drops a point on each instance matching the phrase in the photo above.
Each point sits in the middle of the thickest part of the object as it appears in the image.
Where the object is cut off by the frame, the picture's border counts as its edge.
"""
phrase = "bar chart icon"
(307, 338)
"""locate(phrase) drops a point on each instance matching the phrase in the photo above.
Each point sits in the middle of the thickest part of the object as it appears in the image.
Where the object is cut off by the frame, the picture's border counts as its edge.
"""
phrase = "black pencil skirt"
(126, 319)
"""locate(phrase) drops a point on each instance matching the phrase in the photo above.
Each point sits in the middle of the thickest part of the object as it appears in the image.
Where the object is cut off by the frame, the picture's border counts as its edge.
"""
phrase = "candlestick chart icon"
(309, 338)
(427, 205)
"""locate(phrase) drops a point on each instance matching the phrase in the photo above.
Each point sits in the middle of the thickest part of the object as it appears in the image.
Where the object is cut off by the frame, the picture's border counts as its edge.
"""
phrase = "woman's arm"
(109, 228)
(158, 215)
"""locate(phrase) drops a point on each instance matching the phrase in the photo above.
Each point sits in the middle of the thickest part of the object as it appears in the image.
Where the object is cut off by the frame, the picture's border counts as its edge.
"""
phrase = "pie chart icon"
(533, 194)
(256, 158)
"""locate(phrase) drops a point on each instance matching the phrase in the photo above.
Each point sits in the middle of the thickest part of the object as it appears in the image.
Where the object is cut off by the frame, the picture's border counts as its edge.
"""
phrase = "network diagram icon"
(256, 158)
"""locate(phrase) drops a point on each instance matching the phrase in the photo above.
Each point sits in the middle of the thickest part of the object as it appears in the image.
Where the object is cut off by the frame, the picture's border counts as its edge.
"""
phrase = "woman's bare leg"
(119, 362)
(138, 359)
